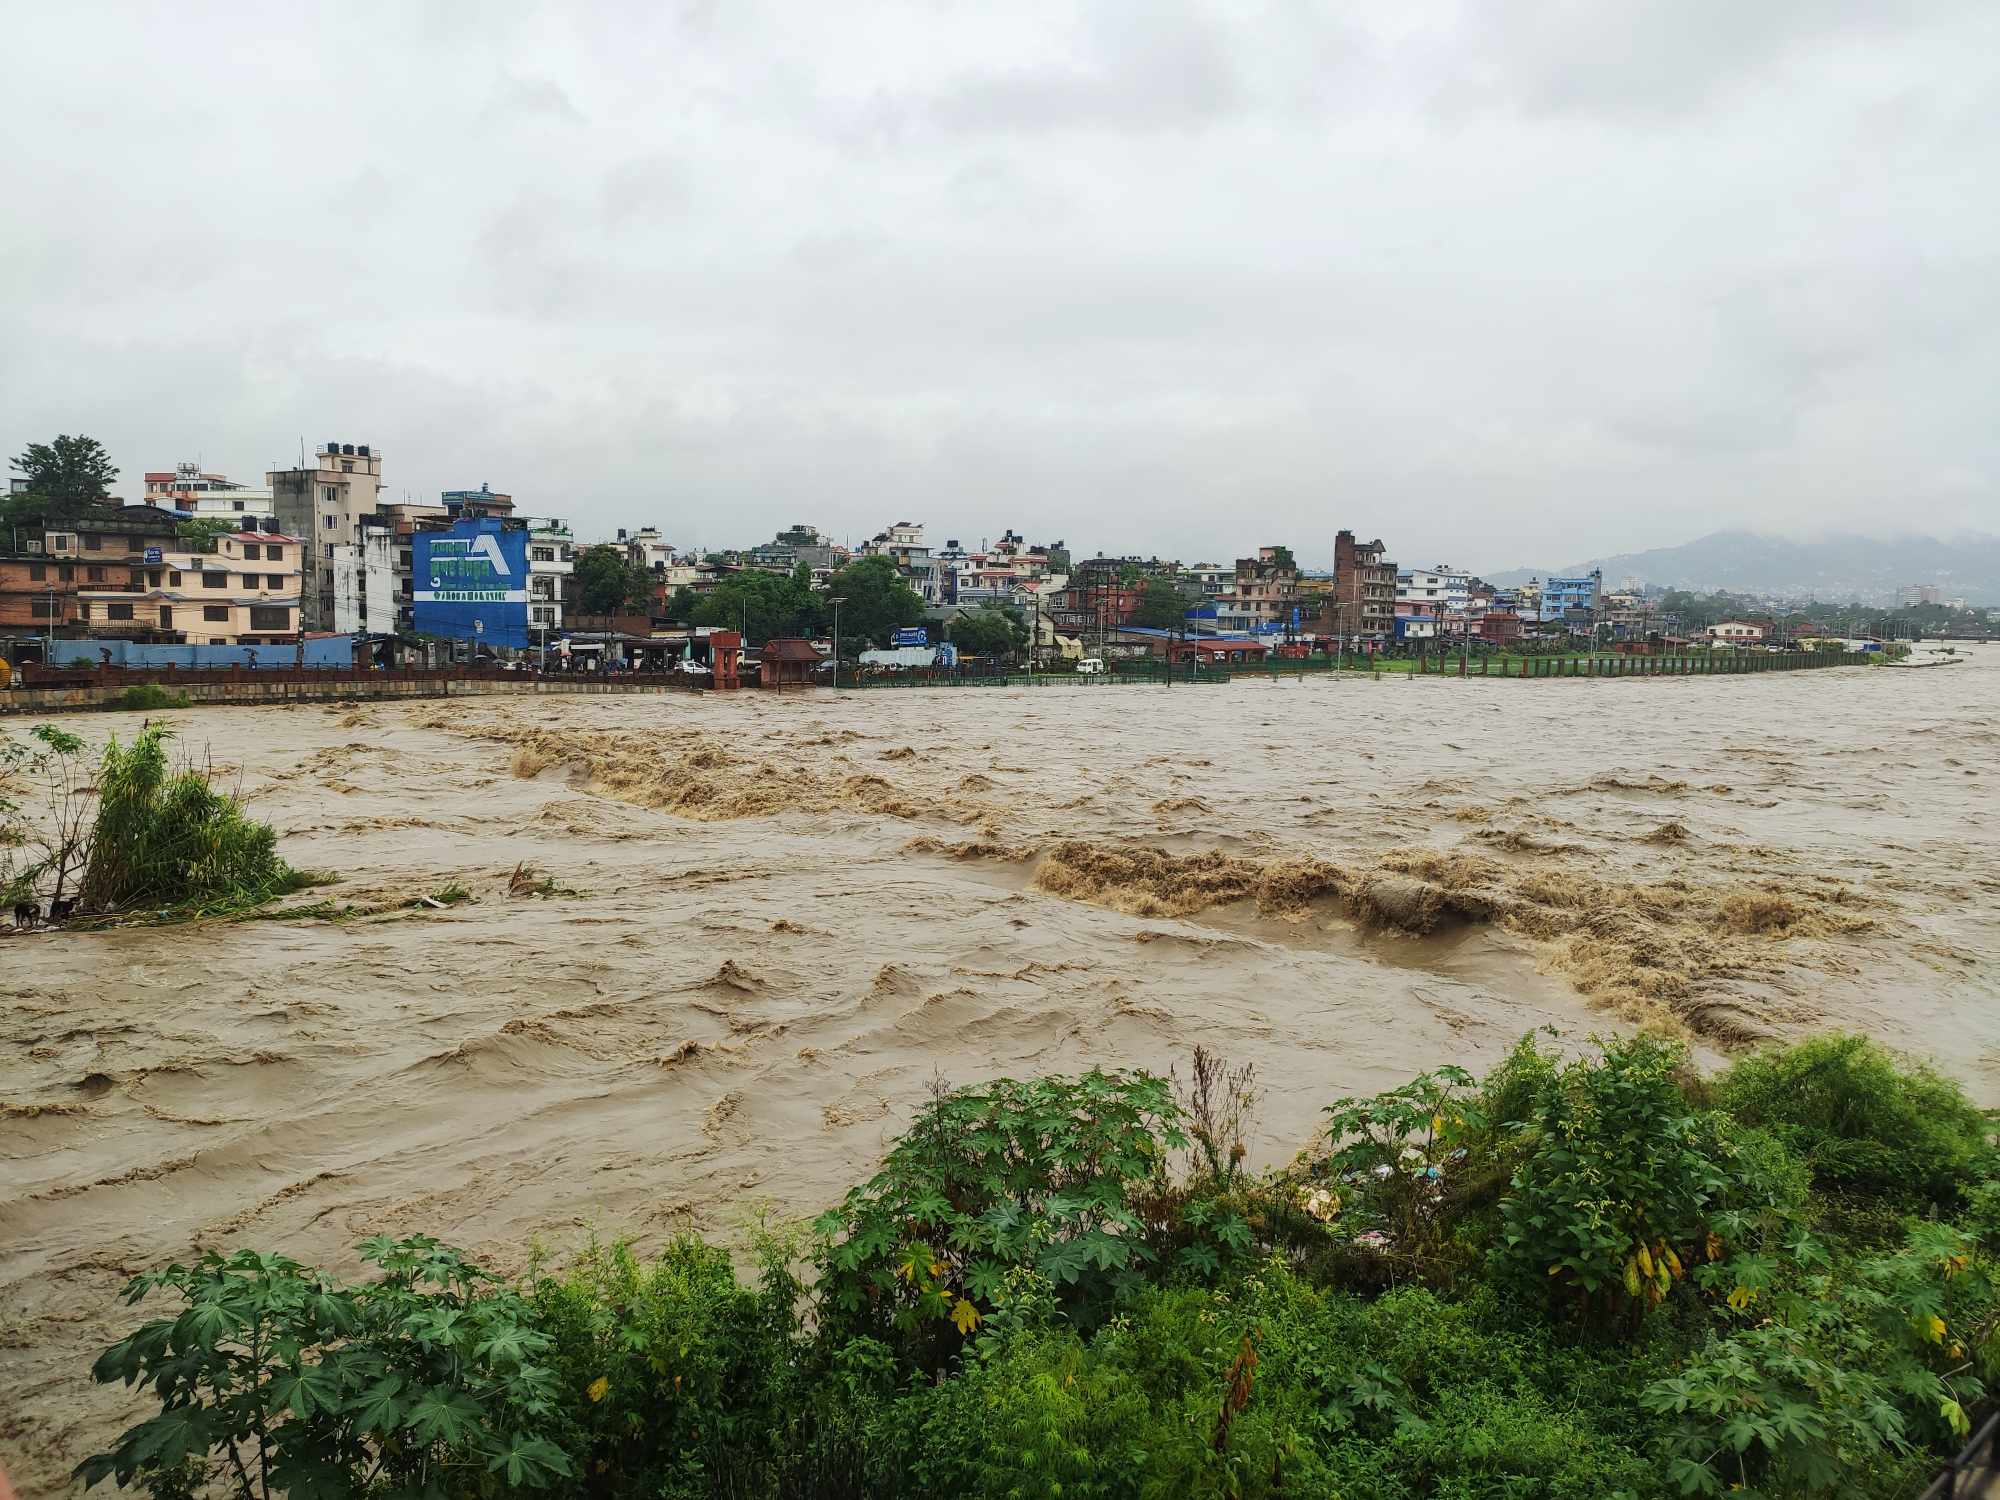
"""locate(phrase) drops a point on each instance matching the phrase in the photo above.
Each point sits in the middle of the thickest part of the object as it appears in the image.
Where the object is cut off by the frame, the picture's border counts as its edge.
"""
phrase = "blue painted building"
(470, 583)
(1573, 600)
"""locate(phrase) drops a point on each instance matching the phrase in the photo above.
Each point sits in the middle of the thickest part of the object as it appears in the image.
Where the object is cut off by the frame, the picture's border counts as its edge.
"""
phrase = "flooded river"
(765, 924)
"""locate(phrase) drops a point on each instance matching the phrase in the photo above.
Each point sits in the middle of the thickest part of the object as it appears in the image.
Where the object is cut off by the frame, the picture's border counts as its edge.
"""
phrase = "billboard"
(471, 583)
(911, 635)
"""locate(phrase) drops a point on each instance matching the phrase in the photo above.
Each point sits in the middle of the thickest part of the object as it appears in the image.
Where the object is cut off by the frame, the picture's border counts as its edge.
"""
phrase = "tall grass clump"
(1864, 1121)
(164, 836)
(149, 695)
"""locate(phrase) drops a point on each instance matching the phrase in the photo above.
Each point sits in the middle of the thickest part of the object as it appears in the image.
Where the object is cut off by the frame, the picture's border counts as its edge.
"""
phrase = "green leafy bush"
(149, 695)
(676, 1379)
(1839, 1378)
(1620, 1187)
(1863, 1121)
(1031, 1300)
(168, 838)
(277, 1379)
(1050, 1174)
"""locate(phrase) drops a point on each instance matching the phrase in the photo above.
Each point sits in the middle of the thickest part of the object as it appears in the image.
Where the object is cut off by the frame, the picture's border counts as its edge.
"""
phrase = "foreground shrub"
(676, 1378)
(1624, 1185)
(274, 1378)
(1863, 1121)
(1049, 1175)
(168, 838)
(149, 695)
(1841, 1377)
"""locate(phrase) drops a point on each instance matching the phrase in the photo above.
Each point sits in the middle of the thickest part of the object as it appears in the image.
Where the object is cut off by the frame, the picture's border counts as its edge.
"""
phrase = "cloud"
(1493, 282)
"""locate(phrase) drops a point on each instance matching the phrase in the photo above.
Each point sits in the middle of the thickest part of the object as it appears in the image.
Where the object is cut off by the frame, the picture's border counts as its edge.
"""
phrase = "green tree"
(874, 599)
(63, 477)
(682, 606)
(1160, 605)
(990, 630)
(764, 606)
(199, 534)
(607, 584)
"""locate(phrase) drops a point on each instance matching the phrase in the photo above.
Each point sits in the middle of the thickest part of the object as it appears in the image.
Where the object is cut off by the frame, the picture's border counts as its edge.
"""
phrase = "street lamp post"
(836, 600)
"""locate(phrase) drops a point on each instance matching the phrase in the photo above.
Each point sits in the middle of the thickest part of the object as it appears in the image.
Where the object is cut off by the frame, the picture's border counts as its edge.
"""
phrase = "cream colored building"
(244, 593)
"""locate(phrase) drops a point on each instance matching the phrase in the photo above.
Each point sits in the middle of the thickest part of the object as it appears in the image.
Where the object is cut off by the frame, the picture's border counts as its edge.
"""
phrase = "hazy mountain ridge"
(1837, 567)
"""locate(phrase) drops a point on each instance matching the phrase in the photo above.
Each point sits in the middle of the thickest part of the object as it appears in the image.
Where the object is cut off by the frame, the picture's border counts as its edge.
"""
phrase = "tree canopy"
(764, 606)
(1161, 605)
(606, 584)
(874, 599)
(990, 630)
(63, 477)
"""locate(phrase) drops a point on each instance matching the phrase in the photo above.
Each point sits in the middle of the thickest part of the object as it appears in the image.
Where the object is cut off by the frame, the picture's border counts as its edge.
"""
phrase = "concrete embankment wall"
(51, 700)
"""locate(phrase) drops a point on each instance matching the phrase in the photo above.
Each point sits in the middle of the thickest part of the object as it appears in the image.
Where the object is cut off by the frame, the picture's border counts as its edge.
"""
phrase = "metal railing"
(1981, 1453)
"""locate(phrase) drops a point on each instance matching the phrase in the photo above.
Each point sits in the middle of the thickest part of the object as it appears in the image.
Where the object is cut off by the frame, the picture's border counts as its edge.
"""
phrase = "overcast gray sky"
(1502, 282)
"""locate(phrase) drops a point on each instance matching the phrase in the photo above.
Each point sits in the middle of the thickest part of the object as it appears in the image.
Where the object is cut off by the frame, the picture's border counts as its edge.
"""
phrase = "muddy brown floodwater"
(776, 919)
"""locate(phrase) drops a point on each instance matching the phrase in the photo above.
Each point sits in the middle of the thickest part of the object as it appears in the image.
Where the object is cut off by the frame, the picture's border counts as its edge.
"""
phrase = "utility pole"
(836, 600)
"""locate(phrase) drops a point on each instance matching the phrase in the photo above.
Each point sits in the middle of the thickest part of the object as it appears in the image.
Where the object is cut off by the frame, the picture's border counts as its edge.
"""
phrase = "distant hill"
(1833, 567)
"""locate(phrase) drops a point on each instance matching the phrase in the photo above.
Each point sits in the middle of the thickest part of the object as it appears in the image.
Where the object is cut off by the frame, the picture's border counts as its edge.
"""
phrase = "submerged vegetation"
(1589, 1275)
(131, 832)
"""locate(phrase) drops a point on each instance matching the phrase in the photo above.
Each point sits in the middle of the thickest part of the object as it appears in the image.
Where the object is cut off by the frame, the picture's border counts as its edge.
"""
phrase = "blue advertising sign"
(1295, 617)
(947, 655)
(912, 635)
(471, 583)
(152, 554)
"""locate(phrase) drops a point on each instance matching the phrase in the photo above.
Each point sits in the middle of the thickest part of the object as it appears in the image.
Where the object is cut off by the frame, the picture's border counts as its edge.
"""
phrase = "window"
(93, 575)
(327, 523)
(153, 579)
(218, 613)
(237, 503)
(331, 495)
(218, 640)
(135, 544)
(66, 571)
(215, 580)
(166, 617)
(37, 572)
(173, 580)
(43, 609)
(346, 467)
(93, 543)
(544, 616)
(327, 547)
(267, 617)
(545, 554)
(274, 581)
(274, 554)
(252, 580)
(118, 612)
(250, 552)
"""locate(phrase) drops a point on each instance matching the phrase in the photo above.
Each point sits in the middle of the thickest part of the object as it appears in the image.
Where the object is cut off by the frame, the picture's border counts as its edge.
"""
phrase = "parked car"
(1090, 666)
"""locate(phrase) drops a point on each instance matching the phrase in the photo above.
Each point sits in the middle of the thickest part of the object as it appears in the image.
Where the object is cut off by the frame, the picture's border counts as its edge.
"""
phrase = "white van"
(1090, 666)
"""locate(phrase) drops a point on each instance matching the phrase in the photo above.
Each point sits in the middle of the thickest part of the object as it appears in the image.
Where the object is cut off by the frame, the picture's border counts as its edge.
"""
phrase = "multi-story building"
(187, 488)
(326, 508)
(45, 568)
(1737, 631)
(1101, 594)
(903, 544)
(1440, 591)
(244, 593)
(1574, 601)
(551, 562)
(1267, 589)
(1364, 589)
